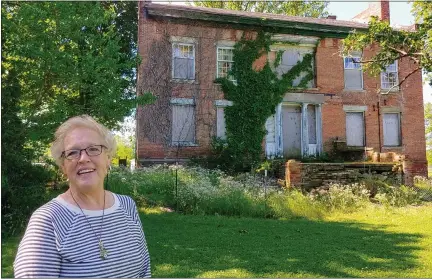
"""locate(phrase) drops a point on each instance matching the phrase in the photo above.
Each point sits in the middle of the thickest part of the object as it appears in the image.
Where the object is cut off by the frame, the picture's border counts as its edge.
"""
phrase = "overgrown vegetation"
(255, 93)
(209, 192)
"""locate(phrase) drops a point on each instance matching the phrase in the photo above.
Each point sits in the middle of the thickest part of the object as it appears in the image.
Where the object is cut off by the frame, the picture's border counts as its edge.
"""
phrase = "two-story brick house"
(183, 50)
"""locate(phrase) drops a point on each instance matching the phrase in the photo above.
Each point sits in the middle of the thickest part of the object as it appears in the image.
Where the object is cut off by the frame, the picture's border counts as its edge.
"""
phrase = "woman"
(86, 231)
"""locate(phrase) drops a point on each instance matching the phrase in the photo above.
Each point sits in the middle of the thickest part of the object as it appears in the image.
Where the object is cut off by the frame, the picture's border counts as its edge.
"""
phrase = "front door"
(291, 131)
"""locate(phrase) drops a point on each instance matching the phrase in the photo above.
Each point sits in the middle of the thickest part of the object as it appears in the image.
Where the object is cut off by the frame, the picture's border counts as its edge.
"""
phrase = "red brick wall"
(330, 79)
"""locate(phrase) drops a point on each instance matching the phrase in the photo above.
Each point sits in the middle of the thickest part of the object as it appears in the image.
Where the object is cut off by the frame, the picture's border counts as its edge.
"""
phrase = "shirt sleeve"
(146, 271)
(37, 254)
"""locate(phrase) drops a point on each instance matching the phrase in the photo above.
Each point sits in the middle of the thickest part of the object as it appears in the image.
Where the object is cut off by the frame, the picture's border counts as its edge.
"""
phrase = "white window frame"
(351, 65)
(174, 44)
(392, 68)
(399, 129)
(183, 102)
(219, 60)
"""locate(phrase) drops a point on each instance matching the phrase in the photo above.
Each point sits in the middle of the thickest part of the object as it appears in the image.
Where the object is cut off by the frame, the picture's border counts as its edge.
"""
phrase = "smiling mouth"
(85, 171)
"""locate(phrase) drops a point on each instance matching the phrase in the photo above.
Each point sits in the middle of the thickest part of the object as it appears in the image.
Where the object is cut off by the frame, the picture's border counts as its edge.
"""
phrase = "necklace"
(103, 253)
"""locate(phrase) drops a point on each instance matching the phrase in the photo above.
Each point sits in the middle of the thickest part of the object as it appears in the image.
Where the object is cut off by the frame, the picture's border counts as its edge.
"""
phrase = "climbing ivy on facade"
(255, 93)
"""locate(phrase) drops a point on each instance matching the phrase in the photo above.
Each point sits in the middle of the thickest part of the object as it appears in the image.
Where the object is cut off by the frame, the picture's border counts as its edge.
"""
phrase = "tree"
(397, 44)
(291, 8)
(59, 59)
(124, 150)
(70, 58)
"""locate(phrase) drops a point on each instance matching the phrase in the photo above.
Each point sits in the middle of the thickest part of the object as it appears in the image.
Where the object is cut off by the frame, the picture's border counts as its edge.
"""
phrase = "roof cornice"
(280, 23)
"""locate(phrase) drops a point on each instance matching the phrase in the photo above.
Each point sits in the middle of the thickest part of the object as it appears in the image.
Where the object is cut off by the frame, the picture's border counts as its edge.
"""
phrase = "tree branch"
(402, 81)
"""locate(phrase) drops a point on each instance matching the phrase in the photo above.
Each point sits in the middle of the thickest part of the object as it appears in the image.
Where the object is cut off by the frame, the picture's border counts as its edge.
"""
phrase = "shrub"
(423, 186)
(398, 196)
(293, 204)
(346, 198)
(374, 186)
(22, 193)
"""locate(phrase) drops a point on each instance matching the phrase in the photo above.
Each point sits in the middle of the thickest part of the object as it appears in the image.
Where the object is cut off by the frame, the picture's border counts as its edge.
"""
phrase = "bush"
(22, 193)
(398, 196)
(423, 186)
(346, 198)
(374, 186)
(212, 192)
(293, 204)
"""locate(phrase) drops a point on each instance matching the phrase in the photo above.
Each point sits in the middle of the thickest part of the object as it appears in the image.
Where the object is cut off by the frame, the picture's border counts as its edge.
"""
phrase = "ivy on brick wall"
(255, 93)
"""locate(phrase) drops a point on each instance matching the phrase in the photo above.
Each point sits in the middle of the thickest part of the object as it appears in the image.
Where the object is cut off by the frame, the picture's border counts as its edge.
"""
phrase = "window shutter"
(183, 124)
(312, 124)
(220, 123)
(391, 129)
(353, 79)
(355, 128)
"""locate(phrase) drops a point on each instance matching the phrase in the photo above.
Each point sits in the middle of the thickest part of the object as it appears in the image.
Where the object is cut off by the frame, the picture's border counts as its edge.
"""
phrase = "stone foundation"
(312, 175)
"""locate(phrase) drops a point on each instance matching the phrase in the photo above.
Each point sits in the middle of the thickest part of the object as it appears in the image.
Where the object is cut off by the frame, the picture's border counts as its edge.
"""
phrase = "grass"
(375, 242)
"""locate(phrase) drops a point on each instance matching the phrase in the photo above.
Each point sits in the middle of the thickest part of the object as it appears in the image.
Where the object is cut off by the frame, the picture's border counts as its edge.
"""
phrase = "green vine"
(255, 95)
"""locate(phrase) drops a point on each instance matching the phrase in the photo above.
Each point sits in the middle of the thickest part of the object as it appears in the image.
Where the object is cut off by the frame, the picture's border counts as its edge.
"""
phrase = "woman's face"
(85, 173)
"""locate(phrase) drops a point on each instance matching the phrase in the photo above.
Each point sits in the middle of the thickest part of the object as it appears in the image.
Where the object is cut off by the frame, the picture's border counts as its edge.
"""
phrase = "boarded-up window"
(389, 78)
(220, 123)
(391, 126)
(353, 75)
(289, 59)
(311, 124)
(183, 124)
(355, 128)
(183, 61)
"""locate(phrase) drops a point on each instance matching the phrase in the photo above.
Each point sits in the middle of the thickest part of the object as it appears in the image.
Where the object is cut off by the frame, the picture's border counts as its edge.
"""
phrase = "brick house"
(183, 50)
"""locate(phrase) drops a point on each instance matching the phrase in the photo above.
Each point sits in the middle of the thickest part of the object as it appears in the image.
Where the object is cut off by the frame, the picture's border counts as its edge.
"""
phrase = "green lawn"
(372, 243)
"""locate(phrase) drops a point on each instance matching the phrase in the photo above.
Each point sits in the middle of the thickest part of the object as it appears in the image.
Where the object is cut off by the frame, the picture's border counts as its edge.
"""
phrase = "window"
(290, 57)
(355, 132)
(391, 127)
(183, 122)
(225, 61)
(220, 123)
(353, 75)
(183, 61)
(389, 78)
(220, 117)
(312, 127)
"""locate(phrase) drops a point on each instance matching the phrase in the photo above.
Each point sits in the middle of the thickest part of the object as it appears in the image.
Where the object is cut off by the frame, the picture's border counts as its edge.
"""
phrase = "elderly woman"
(86, 231)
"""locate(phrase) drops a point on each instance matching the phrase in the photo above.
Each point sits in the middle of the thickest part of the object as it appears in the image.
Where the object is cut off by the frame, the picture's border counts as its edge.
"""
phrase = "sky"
(400, 14)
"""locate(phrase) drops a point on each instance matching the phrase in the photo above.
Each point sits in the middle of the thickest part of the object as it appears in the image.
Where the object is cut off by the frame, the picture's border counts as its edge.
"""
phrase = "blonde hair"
(85, 121)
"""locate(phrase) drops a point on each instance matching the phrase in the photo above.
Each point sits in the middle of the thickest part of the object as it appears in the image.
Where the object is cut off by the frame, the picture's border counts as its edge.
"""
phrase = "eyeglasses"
(73, 154)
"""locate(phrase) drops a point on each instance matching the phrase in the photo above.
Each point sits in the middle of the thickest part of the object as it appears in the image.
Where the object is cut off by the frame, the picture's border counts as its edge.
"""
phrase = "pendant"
(102, 251)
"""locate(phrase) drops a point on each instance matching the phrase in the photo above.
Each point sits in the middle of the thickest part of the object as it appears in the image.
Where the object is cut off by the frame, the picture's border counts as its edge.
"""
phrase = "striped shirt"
(59, 242)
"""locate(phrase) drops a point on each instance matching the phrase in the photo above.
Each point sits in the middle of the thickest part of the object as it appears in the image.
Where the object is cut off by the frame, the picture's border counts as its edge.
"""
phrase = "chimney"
(331, 17)
(381, 9)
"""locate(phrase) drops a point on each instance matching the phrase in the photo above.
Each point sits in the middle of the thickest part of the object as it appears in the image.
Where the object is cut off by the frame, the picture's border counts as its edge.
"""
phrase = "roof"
(322, 27)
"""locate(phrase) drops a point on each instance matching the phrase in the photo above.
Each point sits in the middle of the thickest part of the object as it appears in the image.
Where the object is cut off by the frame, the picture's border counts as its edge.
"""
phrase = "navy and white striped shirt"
(59, 242)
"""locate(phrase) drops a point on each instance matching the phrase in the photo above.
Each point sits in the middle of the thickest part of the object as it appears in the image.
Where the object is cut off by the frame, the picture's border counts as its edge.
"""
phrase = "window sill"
(386, 91)
(349, 90)
(397, 147)
(188, 81)
(303, 88)
(183, 144)
(355, 148)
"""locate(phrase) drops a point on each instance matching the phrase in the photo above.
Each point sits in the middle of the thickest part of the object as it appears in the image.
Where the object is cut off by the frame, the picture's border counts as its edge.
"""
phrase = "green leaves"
(71, 58)
(291, 8)
(255, 97)
(396, 44)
